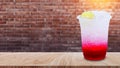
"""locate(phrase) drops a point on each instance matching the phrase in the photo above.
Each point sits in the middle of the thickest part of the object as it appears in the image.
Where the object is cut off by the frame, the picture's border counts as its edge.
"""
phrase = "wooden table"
(55, 59)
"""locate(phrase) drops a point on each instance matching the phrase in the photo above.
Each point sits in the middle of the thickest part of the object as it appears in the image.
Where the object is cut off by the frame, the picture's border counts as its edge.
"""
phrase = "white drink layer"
(95, 30)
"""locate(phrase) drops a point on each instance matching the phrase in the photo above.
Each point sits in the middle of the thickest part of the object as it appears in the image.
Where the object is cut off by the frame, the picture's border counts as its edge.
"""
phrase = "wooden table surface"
(55, 59)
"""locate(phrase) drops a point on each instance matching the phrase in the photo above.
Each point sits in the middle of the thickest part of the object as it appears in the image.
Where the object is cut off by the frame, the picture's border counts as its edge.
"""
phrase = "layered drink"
(94, 34)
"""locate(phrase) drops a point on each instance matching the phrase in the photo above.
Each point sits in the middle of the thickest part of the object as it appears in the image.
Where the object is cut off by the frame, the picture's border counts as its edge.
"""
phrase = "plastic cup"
(94, 34)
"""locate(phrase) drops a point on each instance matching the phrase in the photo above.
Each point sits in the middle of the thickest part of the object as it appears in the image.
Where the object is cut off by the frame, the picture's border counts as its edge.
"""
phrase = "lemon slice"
(88, 14)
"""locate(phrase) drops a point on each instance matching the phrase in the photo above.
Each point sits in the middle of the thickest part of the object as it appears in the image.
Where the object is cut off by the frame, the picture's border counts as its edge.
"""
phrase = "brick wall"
(51, 25)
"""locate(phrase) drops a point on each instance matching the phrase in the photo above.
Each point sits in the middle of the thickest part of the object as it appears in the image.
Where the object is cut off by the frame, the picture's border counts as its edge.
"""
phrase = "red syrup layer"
(94, 52)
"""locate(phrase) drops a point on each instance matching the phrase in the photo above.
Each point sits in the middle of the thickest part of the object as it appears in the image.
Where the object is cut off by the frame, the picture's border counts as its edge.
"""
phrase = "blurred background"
(51, 25)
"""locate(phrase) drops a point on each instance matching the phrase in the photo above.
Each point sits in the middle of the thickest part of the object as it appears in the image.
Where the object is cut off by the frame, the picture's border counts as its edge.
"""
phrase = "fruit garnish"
(88, 14)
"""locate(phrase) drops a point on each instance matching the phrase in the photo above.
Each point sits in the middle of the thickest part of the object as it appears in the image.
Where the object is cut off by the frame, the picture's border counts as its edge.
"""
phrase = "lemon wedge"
(88, 14)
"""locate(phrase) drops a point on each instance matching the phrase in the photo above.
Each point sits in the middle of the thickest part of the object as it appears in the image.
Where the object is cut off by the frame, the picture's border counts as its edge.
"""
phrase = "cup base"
(94, 52)
(95, 58)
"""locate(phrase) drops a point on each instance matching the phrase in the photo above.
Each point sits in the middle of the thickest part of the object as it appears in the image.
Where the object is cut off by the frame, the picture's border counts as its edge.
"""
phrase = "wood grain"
(55, 59)
(60, 67)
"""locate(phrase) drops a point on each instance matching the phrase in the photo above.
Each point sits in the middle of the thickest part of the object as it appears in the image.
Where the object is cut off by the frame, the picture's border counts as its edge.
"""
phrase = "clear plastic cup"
(94, 34)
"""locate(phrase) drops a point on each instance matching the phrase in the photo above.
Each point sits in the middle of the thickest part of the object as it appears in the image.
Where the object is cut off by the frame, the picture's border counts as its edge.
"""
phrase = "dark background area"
(51, 25)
